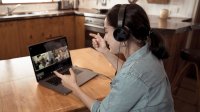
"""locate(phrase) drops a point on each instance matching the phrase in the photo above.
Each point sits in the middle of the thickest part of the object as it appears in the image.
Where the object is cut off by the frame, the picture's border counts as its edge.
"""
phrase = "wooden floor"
(186, 97)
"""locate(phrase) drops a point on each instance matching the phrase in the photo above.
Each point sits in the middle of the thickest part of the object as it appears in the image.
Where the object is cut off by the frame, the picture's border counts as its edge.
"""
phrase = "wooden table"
(20, 92)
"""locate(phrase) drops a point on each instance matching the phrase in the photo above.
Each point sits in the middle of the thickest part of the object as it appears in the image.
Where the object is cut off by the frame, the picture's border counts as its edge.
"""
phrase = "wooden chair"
(191, 59)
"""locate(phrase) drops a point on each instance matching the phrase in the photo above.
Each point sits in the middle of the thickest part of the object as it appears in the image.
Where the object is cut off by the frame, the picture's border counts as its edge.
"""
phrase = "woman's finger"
(96, 36)
(94, 41)
(92, 35)
(58, 74)
(72, 73)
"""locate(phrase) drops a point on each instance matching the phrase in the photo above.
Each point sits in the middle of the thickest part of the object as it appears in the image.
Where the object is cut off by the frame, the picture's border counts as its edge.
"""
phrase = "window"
(26, 1)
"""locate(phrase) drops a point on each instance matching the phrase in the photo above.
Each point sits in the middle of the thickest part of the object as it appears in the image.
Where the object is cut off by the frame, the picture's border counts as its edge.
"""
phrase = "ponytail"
(157, 45)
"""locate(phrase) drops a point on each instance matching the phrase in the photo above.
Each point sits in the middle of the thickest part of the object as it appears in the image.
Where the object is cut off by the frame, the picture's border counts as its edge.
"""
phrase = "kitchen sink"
(22, 13)
(35, 13)
(27, 14)
(3, 15)
(16, 14)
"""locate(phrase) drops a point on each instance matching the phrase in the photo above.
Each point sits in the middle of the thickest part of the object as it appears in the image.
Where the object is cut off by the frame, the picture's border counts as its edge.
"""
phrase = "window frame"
(52, 1)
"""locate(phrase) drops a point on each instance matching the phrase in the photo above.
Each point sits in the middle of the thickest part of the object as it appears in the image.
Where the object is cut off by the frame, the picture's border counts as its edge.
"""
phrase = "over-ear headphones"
(121, 33)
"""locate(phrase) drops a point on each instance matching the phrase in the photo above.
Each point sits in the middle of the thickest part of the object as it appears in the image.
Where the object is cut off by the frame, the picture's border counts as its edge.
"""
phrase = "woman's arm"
(126, 92)
(69, 81)
(100, 45)
(88, 101)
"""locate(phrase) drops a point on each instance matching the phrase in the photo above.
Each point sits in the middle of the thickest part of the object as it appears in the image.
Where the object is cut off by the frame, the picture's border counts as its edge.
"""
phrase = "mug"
(164, 13)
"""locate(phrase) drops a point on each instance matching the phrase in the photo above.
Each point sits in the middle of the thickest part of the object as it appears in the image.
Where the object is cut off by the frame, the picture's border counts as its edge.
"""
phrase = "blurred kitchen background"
(26, 22)
(177, 8)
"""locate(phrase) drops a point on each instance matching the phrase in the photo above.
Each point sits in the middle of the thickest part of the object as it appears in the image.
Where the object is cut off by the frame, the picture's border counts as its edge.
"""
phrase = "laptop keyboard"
(77, 71)
(63, 71)
(66, 71)
(55, 81)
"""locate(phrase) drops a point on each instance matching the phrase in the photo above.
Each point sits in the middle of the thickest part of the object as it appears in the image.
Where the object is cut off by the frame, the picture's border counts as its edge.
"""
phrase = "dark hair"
(138, 24)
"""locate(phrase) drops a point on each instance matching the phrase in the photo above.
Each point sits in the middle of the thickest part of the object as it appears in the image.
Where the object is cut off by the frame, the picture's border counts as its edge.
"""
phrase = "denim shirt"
(140, 86)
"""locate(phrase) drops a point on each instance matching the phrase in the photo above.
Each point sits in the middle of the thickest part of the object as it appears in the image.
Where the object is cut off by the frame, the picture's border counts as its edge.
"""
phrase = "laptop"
(54, 55)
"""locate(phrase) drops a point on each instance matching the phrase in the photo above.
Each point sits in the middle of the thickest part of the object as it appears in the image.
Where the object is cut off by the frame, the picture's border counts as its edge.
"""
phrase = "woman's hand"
(68, 81)
(99, 43)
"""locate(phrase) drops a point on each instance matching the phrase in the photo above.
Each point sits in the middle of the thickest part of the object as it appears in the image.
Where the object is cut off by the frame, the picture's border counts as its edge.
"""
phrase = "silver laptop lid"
(49, 56)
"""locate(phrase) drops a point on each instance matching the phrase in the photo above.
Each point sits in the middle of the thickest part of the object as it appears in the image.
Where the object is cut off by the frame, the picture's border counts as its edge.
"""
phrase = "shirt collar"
(139, 53)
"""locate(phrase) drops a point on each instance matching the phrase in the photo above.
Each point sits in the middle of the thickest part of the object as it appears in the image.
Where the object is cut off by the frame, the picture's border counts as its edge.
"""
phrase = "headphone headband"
(121, 33)
(121, 15)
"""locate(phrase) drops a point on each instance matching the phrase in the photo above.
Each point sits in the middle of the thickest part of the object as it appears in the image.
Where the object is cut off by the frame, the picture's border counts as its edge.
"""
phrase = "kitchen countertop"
(32, 15)
(172, 24)
(29, 15)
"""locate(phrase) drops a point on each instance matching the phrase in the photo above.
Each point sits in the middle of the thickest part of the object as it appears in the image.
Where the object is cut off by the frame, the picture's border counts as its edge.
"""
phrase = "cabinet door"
(79, 32)
(37, 30)
(53, 27)
(31, 32)
(9, 40)
(68, 30)
(60, 26)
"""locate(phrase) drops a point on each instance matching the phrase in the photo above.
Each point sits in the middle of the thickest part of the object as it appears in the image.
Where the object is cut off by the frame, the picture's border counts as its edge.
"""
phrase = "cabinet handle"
(30, 36)
(50, 37)
(43, 34)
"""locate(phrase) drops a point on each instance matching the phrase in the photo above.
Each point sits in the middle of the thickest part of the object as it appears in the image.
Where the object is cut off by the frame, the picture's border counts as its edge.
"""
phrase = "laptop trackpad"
(83, 75)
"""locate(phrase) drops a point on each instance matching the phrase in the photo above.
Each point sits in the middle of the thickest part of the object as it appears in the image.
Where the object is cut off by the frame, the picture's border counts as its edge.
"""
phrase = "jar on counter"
(164, 13)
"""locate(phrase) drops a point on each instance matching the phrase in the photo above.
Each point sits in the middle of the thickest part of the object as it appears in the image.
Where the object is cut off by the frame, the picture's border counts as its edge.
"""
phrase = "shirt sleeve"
(125, 93)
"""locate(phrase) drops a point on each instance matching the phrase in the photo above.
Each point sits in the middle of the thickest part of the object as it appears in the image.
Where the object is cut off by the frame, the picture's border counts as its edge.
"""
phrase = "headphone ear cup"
(121, 34)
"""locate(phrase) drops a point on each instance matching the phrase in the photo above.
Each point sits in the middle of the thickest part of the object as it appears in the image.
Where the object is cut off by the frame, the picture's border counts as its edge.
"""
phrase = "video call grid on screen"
(49, 58)
(50, 55)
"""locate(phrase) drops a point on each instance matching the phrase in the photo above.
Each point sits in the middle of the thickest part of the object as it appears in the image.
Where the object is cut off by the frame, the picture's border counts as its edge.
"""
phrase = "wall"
(177, 8)
(96, 4)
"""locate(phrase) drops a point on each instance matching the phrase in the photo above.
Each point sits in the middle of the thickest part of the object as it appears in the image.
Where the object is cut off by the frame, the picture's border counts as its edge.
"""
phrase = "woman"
(141, 84)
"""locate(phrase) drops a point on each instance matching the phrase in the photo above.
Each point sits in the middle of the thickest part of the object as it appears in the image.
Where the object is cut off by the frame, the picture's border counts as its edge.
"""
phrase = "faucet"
(10, 10)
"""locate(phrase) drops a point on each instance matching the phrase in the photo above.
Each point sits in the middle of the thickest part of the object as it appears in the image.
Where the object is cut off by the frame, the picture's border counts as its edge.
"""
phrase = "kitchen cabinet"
(68, 30)
(80, 31)
(60, 26)
(9, 41)
(174, 43)
(37, 30)
(195, 38)
(30, 32)
(16, 36)
(53, 27)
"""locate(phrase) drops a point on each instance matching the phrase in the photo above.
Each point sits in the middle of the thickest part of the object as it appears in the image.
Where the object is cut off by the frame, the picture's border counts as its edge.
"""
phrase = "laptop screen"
(49, 56)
